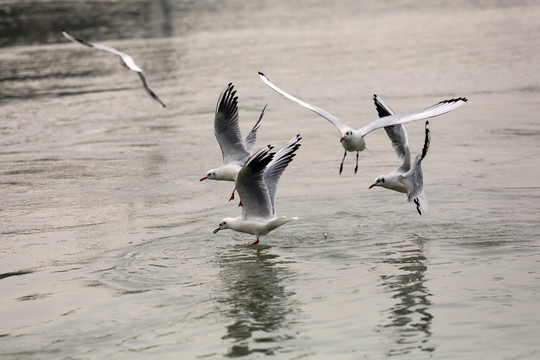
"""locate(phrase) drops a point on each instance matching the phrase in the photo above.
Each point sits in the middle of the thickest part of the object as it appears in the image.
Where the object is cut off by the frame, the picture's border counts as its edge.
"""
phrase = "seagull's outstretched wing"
(434, 110)
(275, 168)
(226, 128)
(127, 59)
(77, 40)
(325, 114)
(148, 90)
(396, 133)
(427, 141)
(382, 109)
(414, 177)
(251, 138)
(251, 187)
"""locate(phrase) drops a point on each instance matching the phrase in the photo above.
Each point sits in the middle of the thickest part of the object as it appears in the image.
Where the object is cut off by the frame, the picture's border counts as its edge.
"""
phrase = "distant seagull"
(126, 61)
(257, 186)
(234, 148)
(404, 179)
(353, 140)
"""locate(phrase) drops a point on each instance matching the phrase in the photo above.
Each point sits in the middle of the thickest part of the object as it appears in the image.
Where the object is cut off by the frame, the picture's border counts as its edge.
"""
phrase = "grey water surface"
(106, 244)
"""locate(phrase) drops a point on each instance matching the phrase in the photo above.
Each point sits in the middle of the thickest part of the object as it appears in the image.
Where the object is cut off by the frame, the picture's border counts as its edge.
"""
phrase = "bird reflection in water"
(408, 320)
(256, 301)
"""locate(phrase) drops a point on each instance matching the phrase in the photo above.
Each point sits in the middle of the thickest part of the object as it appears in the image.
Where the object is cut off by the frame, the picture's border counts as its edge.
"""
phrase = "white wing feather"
(325, 114)
(434, 110)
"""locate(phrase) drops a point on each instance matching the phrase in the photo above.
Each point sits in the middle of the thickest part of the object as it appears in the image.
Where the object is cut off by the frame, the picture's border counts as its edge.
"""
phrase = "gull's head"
(224, 224)
(378, 182)
(346, 135)
(211, 175)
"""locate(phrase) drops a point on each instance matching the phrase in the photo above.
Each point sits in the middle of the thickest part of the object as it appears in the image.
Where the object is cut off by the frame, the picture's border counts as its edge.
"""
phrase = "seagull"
(257, 186)
(404, 179)
(234, 148)
(127, 61)
(353, 139)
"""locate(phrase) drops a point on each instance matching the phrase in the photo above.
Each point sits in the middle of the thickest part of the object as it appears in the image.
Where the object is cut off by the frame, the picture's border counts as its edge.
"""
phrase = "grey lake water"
(106, 244)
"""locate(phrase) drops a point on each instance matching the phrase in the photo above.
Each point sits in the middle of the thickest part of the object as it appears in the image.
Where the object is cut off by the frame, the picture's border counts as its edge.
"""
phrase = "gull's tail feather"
(277, 222)
(368, 151)
(282, 221)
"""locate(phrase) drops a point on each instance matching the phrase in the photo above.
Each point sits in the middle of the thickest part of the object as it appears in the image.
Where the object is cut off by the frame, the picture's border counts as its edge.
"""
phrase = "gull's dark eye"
(382, 180)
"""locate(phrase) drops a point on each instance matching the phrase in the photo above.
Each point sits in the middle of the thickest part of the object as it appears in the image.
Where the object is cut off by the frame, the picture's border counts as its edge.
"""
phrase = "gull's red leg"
(356, 167)
(341, 166)
(232, 195)
(256, 242)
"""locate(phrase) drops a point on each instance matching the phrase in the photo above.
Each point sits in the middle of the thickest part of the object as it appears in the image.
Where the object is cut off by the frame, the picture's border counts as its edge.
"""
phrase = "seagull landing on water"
(257, 186)
(234, 148)
(126, 61)
(353, 140)
(406, 178)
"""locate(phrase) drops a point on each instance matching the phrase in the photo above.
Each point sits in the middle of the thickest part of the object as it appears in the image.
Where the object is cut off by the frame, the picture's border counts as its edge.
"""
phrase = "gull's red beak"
(342, 138)
(204, 178)
(217, 229)
(372, 185)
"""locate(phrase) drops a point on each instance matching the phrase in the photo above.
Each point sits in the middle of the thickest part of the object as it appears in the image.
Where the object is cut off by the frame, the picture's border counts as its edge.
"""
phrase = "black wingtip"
(427, 141)
(258, 161)
(464, 99)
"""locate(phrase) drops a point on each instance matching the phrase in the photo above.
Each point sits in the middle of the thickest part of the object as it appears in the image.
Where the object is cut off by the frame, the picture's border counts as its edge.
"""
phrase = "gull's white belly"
(228, 172)
(354, 144)
(258, 227)
(396, 185)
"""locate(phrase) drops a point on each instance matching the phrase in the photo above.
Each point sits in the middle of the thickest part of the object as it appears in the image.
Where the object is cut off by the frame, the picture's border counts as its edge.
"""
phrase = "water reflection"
(257, 302)
(408, 320)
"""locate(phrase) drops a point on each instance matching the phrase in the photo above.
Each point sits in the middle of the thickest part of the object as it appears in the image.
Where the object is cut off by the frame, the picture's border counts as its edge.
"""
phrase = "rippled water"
(106, 241)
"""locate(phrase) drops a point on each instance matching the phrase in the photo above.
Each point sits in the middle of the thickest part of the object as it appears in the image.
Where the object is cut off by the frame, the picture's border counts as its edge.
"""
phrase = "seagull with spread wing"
(353, 139)
(127, 61)
(257, 184)
(407, 178)
(234, 149)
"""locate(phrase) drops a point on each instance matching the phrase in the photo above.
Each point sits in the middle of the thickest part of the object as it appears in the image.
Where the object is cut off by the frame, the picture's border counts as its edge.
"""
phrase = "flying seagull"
(257, 186)
(125, 58)
(234, 149)
(353, 139)
(406, 178)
